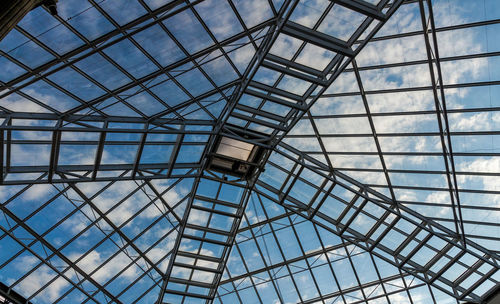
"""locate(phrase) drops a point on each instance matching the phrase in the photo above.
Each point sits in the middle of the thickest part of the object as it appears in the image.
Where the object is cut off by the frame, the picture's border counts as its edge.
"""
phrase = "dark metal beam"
(385, 219)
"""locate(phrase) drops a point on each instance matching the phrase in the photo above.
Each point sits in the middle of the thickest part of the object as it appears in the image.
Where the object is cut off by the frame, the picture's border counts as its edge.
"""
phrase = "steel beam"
(386, 228)
(427, 19)
(11, 12)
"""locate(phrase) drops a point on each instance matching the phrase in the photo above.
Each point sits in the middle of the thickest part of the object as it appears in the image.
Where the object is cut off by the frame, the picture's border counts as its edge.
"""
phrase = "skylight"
(264, 151)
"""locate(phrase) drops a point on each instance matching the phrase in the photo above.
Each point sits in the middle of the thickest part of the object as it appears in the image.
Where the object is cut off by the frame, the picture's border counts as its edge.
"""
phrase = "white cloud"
(39, 278)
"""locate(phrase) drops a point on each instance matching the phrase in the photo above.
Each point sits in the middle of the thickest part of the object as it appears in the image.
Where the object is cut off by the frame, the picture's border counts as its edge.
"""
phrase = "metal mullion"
(329, 262)
(356, 212)
(286, 70)
(152, 75)
(99, 151)
(262, 113)
(197, 267)
(405, 113)
(158, 130)
(8, 149)
(2, 138)
(303, 254)
(364, 8)
(354, 269)
(175, 152)
(467, 173)
(160, 197)
(440, 29)
(57, 253)
(360, 153)
(96, 142)
(407, 134)
(139, 47)
(43, 261)
(247, 270)
(148, 270)
(33, 213)
(99, 42)
(319, 192)
(28, 97)
(112, 62)
(216, 211)
(494, 224)
(290, 176)
(263, 222)
(177, 241)
(140, 148)
(274, 99)
(274, 90)
(263, 50)
(114, 227)
(254, 237)
(317, 38)
(300, 99)
(215, 201)
(323, 199)
(445, 230)
(81, 118)
(372, 127)
(348, 206)
(284, 259)
(242, 23)
(372, 259)
(209, 32)
(294, 65)
(207, 229)
(133, 261)
(441, 109)
(424, 61)
(252, 119)
(414, 89)
(438, 189)
(45, 79)
(196, 65)
(104, 178)
(320, 141)
(54, 151)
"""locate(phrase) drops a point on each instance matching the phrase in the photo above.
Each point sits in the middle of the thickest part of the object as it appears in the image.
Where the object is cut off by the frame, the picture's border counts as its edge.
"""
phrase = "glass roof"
(379, 180)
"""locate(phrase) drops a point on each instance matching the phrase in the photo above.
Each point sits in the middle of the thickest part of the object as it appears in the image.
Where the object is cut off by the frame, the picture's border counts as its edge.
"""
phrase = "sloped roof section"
(370, 172)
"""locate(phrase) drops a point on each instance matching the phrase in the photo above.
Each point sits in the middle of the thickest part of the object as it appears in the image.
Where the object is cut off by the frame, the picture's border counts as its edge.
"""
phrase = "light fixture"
(235, 157)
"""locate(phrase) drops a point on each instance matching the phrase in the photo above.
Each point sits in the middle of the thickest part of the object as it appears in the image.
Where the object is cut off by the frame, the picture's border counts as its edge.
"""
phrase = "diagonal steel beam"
(183, 277)
(56, 252)
(386, 228)
(427, 18)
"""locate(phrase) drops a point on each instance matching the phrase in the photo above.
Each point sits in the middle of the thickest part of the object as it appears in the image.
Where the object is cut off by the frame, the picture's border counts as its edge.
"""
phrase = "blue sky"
(191, 91)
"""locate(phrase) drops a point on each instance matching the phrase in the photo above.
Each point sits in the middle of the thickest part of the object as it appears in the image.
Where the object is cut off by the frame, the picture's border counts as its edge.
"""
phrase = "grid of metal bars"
(105, 136)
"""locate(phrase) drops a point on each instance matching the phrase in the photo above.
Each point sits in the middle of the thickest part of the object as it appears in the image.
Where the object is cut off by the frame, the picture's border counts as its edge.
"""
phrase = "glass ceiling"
(379, 180)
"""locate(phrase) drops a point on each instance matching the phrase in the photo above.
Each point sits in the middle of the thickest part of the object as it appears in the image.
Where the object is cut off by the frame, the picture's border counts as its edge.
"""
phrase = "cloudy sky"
(120, 234)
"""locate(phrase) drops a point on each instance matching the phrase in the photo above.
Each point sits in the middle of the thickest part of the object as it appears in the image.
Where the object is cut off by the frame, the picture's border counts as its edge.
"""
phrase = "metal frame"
(204, 231)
